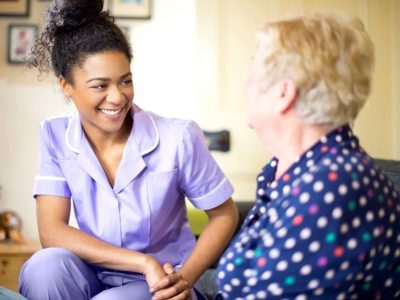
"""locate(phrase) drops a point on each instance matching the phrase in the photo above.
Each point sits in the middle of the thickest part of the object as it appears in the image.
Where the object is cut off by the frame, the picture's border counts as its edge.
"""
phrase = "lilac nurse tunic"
(164, 160)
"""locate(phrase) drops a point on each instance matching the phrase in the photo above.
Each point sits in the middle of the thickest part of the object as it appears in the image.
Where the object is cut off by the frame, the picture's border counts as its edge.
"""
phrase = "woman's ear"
(287, 94)
(65, 86)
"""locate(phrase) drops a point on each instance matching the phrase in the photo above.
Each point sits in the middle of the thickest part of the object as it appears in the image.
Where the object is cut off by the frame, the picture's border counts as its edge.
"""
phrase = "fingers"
(166, 281)
(179, 291)
(168, 268)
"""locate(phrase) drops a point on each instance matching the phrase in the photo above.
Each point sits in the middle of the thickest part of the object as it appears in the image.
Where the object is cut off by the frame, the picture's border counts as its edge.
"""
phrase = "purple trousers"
(58, 274)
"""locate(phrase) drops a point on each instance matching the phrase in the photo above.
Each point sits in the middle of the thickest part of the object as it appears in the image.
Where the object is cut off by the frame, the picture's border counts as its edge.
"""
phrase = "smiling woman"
(128, 172)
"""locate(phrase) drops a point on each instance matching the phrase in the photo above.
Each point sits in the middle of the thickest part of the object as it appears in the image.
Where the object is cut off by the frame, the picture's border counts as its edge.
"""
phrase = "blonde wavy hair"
(330, 57)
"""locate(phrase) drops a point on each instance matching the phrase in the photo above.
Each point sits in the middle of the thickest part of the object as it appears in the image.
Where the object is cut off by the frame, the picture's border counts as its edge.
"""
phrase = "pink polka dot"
(296, 191)
(286, 177)
(313, 209)
(338, 251)
(333, 151)
(297, 220)
(324, 148)
(370, 193)
(332, 176)
(322, 262)
(261, 262)
(361, 257)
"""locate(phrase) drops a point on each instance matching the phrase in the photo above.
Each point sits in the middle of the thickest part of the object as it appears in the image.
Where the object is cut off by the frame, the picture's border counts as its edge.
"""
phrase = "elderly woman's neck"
(295, 141)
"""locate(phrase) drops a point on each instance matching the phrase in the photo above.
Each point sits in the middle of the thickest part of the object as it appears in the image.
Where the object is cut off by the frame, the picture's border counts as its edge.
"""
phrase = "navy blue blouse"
(328, 228)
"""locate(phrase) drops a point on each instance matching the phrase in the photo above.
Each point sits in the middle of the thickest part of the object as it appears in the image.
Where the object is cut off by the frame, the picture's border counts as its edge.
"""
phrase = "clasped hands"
(167, 284)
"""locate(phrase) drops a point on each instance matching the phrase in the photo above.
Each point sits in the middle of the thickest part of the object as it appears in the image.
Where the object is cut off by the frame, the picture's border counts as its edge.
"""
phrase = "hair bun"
(69, 14)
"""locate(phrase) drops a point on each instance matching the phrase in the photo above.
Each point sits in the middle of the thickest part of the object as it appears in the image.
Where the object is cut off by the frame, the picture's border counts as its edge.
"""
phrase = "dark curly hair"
(74, 29)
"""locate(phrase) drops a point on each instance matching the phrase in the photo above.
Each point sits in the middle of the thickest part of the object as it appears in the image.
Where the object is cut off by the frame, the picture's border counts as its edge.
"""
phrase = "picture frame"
(21, 38)
(14, 8)
(130, 9)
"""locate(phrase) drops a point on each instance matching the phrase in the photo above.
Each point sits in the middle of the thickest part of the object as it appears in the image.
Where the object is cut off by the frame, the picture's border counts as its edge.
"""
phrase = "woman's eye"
(99, 86)
(127, 82)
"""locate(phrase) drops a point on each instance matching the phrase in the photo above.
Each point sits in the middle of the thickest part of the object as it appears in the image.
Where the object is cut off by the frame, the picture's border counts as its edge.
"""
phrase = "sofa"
(207, 282)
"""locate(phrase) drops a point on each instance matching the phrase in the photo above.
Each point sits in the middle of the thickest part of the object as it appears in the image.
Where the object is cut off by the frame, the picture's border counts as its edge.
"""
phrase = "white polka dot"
(352, 244)
(221, 274)
(249, 273)
(362, 201)
(297, 257)
(281, 232)
(389, 233)
(301, 297)
(305, 233)
(329, 197)
(227, 288)
(356, 222)
(275, 289)
(297, 171)
(309, 154)
(309, 163)
(261, 178)
(290, 243)
(326, 162)
(307, 177)
(286, 190)
(305, 270)
(274, 195)
(355, 185)
(260, 192)
(330, 274)
(389, 282)
(273, 215)
(341, 296)
(314, 246)
(348, 167)
(386, 251)
(322, 222)
(365, 180)
(340, 159)
(333, 167)
(230, 255)
(370, 216)
(338, 138)
(282, 265)
(235, 282)
(381, 213)
(324, 139)
(274, 253)
(342, 189)
(344, 265)
(290, 212)
(344, 228)
(337, 213)
(230, 267)
(318, 186)
(313, 284)
(304, 197)
(261, 295)
(252, 281)
(268, 240)
(250, 297)
(249, 254)
(266, 275)
(319, 292)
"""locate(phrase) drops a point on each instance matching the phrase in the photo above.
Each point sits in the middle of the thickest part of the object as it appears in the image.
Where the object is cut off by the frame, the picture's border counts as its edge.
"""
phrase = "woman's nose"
(115, 95)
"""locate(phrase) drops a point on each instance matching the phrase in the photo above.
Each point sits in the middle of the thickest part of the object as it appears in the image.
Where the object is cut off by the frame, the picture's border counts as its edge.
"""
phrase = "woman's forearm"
(212, 241)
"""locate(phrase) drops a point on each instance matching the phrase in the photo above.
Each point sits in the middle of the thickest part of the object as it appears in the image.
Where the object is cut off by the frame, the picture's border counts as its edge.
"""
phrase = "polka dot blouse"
(329, 228)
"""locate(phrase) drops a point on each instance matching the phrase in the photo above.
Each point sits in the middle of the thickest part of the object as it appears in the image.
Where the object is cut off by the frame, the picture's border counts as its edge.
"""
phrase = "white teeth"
(110, 112)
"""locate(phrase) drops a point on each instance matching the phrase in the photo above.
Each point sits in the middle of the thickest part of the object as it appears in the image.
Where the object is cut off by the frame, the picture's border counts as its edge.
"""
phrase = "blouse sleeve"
(200, 177)
(50, 180)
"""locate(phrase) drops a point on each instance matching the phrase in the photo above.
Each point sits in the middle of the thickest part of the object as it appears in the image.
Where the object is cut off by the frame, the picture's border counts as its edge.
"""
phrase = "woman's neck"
(295, 142)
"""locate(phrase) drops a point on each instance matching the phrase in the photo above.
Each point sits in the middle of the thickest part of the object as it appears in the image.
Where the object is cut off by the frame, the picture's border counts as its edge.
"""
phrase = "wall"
(163, 71)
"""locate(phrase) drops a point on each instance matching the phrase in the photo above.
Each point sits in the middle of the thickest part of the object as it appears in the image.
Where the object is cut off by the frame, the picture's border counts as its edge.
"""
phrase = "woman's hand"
(153, 271)
(172, 286)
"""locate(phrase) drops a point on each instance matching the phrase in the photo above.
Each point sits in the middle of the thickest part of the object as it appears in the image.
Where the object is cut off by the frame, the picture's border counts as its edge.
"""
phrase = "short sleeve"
(201, 179)
(50, 180)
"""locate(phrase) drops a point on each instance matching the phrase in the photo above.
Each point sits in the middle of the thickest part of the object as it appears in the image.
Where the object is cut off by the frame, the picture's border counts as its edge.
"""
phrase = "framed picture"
(20, 41)
(130, 9)
(14, 8)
